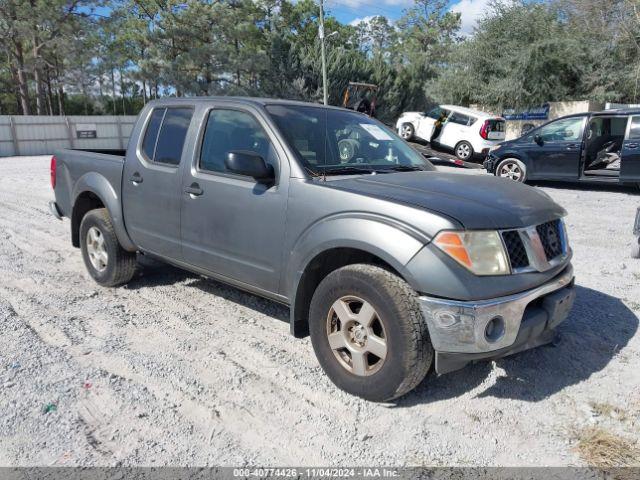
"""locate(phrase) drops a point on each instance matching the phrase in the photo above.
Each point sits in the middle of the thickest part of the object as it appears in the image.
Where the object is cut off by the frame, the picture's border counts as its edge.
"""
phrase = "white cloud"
(378, 7)
(471, 11)
(357, 21)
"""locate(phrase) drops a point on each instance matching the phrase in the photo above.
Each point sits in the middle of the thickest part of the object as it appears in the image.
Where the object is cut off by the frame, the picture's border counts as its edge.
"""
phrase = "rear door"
(152, 181)
(630, 164)
(456, 128)
(556, 154)
(234, 226)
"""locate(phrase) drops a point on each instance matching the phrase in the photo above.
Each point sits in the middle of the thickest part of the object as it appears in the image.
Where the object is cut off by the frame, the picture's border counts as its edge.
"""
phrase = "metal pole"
(324, 61)
(14, 137)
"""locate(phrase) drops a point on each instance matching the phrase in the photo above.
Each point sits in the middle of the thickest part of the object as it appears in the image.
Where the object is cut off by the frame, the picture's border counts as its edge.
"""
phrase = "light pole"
(322, 54)
(325, 87)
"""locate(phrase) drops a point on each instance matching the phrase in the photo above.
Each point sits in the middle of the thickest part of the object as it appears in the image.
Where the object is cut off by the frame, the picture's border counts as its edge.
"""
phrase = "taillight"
(53, 172)
(484, 130)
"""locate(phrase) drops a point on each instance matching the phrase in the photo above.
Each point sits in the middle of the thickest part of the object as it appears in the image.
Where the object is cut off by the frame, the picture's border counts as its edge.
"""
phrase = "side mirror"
(250, 164)
(538, 139)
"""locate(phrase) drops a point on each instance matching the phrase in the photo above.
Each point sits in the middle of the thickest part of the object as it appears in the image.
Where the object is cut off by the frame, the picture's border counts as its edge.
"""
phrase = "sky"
(354, 11)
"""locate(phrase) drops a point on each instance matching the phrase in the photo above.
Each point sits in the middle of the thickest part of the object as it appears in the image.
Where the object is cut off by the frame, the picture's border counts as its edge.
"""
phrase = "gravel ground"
(174, 369)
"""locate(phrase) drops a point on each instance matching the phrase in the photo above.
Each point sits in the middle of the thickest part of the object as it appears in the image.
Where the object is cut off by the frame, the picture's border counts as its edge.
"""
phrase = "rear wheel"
(107, 262)
(368, 332)
(512, 169)
(464, 151)
(407, 131)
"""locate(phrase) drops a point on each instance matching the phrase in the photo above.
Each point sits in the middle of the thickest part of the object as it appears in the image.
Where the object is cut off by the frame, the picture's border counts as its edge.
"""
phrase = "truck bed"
(76, 167)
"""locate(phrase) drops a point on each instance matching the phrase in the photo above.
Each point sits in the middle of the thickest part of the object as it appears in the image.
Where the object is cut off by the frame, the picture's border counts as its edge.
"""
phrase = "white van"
(467, 132)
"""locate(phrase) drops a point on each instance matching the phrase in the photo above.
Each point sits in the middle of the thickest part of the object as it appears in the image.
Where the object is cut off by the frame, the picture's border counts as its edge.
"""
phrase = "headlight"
(481, 252)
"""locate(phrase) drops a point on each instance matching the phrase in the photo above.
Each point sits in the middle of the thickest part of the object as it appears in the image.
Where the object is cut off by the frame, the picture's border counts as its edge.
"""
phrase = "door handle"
(572, 146)
(632, 145)
(194, 190)
(136, 178)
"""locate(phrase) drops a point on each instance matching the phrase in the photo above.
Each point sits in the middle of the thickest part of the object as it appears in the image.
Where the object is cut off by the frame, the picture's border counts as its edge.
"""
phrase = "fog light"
(446, 318)
(494, 329)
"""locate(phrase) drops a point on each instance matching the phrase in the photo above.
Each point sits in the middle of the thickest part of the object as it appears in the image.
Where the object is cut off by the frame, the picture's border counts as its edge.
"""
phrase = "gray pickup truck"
(390, 266)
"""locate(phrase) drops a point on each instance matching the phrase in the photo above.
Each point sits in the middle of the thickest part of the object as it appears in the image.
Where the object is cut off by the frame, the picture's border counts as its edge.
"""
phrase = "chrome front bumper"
(490, 325)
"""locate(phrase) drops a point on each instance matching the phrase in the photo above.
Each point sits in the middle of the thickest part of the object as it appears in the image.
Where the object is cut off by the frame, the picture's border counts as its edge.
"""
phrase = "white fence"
(41, 135)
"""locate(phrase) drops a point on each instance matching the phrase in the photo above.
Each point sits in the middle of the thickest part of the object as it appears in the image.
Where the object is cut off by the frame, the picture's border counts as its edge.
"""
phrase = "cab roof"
(255, 101)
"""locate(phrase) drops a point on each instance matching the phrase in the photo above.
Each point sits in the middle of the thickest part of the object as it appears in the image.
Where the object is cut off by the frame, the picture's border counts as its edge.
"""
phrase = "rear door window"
(151, 135)
(459, 118)
(166, 133)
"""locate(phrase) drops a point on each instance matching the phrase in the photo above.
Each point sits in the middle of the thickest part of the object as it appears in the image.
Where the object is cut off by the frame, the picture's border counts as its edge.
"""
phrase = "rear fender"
(98, 185)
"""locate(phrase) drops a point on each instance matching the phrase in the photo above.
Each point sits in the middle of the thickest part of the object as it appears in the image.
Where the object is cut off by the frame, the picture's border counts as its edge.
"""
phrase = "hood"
(476, 201)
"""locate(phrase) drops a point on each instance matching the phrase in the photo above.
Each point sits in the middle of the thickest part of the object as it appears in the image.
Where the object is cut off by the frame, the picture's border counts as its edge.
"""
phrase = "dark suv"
(587, 147)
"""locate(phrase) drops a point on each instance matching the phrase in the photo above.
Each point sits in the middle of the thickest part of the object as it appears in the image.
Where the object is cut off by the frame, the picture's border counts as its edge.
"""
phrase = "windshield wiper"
(404, 168)
(347, 170)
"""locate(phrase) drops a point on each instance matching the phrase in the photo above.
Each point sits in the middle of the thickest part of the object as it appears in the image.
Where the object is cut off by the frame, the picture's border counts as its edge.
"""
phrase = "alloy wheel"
(511, 170)
(356, 335)
(97, 249)
(463, 151)
(406, 132)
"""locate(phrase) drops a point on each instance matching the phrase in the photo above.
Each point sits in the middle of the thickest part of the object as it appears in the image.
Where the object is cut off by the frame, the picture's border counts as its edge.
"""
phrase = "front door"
(630, 164)
(234, 226)
(426, 126)
(152, 181)
(554, 149)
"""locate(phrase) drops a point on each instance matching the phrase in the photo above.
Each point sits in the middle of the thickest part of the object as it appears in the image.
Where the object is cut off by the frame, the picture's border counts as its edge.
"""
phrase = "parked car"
(389, 265)
(587, 147)
(468, 133)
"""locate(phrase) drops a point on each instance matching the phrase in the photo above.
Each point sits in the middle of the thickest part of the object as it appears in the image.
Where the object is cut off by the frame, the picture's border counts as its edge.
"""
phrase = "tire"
(97, 237)
(347, 150)
(463, 151)
(407, 132)
(516, 167)
(396, 320)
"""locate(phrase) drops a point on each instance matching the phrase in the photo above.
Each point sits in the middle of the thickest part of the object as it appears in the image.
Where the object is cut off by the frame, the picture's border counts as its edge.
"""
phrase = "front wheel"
(512, 169)
(368, 332)
(107, 262)
(407, 131)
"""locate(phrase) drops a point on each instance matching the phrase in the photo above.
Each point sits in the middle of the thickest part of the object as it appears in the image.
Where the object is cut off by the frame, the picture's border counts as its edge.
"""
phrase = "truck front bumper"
(463, 332)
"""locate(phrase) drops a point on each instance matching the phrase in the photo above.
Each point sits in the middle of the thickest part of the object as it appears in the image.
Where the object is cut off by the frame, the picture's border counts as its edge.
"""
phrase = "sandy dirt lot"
(175, 369)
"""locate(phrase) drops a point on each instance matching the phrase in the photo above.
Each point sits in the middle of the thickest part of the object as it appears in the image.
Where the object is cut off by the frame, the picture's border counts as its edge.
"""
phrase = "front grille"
(551, 237)
(515, 249)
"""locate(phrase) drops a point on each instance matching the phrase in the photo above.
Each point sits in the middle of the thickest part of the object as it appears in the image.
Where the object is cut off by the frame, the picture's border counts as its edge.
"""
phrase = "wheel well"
(464, 141)
(317, 269)
(85, 202)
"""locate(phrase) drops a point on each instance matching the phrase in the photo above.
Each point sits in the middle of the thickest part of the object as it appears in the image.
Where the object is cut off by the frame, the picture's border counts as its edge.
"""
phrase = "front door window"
(565, 130)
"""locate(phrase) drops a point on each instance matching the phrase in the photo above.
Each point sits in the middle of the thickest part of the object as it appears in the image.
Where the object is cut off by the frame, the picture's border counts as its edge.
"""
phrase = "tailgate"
(497, 129)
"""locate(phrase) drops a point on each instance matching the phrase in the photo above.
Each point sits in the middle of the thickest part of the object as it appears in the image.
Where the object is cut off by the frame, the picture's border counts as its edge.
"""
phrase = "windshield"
(336, 142)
